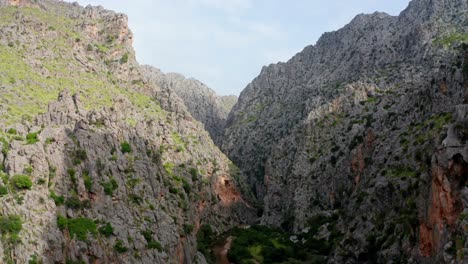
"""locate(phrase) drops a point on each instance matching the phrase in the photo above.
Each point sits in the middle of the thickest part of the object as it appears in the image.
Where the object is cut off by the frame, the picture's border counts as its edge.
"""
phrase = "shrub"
(134, 198)
(79, 227)
(11, 224)
(88, 182)
(151, 243)
(12, 131)
(110, 186)
(124, 58)
(194, 173)
(3, 190)
(205, 239)
(125, 147)
(33, 260)
(21, 182)
(72, 173)
(186, 186)
(28, 170)
(79, 156)
(106, 230)
(173, 190)
(119, 247)
(73, 202)
(41, 181)
(32, 138)
(188, 229)
(59, 200)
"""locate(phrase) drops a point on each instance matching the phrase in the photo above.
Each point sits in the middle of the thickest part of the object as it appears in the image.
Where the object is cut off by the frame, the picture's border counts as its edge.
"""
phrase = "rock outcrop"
(348, 127)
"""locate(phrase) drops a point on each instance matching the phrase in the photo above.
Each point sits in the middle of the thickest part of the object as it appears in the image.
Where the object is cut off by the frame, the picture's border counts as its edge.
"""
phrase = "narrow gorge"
(353, 151)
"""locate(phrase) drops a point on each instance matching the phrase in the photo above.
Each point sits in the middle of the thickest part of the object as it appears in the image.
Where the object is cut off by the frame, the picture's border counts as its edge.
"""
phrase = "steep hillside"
(202, 102)
(98, 163)
(367, 129)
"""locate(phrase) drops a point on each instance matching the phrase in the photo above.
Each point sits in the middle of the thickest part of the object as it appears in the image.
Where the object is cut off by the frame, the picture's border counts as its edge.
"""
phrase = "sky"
(225, 43)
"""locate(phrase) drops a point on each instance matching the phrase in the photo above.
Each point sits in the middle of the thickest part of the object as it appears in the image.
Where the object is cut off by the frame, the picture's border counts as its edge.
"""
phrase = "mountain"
(353, 151)
(99, 163)
(366, 129)
(201, 101)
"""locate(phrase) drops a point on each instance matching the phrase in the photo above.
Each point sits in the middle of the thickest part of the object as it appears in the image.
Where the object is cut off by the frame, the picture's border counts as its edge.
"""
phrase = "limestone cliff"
(353, 128)
(98, 163)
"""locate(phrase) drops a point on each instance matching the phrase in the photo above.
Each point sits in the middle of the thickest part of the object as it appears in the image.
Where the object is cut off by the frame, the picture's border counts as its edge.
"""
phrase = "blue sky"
(225, 43)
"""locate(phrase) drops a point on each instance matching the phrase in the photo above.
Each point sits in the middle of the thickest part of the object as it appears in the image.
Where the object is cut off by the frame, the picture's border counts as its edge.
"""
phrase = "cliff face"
(98, 163)
(356, 127)
(201, 101)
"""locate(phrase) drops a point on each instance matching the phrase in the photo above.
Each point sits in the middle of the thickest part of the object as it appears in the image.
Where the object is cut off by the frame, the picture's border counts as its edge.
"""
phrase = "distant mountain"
(202, 102)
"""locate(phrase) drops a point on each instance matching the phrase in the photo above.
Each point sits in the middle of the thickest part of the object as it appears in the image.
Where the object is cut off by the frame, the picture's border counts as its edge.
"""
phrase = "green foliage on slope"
(33, 75)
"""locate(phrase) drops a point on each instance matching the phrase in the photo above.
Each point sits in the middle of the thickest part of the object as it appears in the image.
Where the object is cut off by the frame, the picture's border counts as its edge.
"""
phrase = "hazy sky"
(225, 43)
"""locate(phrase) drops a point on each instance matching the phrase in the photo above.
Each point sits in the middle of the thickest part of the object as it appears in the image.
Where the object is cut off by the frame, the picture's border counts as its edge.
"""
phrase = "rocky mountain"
(368, 130)
(99, 163)
(356, 149)
(201, 101)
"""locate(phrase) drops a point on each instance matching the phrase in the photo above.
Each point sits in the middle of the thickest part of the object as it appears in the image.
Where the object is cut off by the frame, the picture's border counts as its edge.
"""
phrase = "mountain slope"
(365, 127)
(99, 164)
(202, 102)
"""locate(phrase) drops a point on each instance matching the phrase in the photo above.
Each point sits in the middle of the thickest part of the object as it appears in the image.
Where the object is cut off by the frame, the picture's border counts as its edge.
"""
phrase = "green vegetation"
(106, 230)
(59, 200)
(22, 182)
(169, 167)
(260, 244)
(179, 143)
(88, 182)
(74, 202)
(79, 227)
(119, 247)
(151, 243)
(205, 241)
(33, 260)
(27, 92)
(3, 191)
(32, 138)
(10, 227)
(401, 171)
(194, 173)
(124, 59)
(125, 147)
(110, 186)
(452, 38)
(79, 156)
(188, 228)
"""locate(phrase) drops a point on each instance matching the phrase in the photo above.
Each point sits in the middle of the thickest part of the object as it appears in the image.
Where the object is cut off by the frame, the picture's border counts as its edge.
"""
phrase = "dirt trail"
(221, 251)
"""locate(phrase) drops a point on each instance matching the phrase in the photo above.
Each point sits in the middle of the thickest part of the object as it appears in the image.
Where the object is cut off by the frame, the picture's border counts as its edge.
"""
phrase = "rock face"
(201, 101)
(120, 171)
(365, 126)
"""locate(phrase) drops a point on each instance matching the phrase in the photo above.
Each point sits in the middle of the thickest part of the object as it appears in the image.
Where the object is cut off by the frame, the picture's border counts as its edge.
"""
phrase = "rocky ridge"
(201, 101)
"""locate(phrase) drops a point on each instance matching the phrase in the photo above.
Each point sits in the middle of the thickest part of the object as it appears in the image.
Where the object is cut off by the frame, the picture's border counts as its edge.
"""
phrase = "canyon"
(353, 151)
